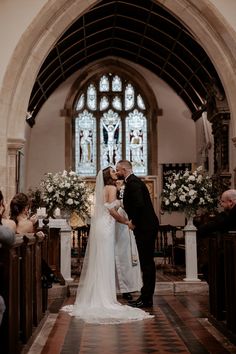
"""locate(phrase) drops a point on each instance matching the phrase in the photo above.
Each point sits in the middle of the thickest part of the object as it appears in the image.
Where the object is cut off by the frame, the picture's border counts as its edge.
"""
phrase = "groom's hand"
(131, 225)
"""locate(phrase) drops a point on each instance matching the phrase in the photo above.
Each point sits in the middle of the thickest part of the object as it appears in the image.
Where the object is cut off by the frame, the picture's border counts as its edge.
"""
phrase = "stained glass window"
(86, 144)
(140, 102)
(136, 141)
(129, 97)
(104, 103)
(113, 127)
(116, 84)
(92, 97)
(80, 103)
(110, 139)
(116, 103)
(104, 84)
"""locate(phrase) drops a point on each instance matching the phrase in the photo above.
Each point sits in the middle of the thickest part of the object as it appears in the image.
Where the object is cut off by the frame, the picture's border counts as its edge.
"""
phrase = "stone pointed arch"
(201, 18)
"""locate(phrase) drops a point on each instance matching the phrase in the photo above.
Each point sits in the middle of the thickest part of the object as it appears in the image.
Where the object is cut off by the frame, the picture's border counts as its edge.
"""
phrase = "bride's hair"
(108, 180)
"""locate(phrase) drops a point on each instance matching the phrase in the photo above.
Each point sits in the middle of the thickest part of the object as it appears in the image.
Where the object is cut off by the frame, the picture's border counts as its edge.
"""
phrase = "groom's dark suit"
(138, 206)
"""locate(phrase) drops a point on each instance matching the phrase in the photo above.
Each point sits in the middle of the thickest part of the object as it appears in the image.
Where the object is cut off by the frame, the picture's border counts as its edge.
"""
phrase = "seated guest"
(19, 213)
(3, 220)
(224, 221)
(7, 237)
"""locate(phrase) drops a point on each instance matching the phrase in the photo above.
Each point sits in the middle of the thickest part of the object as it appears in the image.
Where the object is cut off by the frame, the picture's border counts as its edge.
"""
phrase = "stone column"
(191, 253)
(13, 145)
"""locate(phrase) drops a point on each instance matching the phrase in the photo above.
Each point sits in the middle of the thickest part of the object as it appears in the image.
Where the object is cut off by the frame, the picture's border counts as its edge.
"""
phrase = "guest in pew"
(7, 237)
(3, 220)
(223, 222)
(20, 213)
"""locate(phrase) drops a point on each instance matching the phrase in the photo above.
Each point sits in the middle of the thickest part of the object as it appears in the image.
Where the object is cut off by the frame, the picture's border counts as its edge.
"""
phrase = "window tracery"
(114, 125)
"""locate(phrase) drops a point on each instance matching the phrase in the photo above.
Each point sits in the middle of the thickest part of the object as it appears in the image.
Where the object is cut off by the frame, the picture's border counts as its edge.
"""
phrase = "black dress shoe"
(127, 296)
(140, 303)
(134, 301)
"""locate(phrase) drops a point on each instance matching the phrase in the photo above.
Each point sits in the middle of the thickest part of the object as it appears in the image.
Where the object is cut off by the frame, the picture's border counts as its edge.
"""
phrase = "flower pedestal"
(191, 251)
(65, 242)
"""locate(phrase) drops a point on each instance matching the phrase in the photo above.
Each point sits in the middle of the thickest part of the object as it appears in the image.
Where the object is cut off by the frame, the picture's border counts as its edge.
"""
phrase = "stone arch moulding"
(123, 68)
(57, 15)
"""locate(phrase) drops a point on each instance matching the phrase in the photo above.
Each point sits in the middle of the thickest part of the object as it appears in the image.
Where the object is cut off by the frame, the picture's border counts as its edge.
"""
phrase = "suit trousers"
(146, 247)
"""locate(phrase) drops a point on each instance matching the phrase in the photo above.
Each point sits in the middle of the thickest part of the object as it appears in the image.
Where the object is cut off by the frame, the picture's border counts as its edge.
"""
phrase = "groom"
(138, 206)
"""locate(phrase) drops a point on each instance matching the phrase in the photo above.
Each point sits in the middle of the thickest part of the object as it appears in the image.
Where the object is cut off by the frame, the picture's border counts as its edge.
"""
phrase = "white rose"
(69, 201)
(199, 179)
(201, 201)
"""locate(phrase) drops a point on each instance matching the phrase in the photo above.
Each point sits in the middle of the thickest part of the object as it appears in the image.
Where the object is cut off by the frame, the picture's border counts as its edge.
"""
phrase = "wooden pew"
(230, 279)
(21, 289)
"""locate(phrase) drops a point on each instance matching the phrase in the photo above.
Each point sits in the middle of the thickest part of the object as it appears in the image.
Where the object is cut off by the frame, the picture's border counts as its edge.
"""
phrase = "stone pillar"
(13, 145)
(191, 253)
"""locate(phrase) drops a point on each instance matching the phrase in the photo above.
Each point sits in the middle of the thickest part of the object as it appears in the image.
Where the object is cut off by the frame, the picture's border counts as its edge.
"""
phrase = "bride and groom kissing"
(96, 300)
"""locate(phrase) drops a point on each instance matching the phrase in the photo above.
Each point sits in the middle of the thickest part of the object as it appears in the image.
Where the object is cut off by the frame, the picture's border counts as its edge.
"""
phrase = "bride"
(96, 300)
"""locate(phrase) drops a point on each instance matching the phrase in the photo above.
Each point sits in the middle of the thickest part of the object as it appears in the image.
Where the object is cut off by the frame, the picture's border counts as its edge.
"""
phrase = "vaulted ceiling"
(138, 30)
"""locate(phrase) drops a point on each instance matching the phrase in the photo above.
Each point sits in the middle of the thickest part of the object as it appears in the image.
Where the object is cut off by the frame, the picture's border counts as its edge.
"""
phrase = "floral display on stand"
(188, 191)
(66, 191)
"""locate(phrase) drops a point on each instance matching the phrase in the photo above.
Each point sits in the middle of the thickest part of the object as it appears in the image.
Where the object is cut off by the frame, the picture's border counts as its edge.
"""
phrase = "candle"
(43, 211)
(39, 212)
(57, 212)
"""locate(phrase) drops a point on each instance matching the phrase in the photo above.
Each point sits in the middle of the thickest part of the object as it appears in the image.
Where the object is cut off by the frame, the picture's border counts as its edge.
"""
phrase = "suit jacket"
(223, 222)
(138, 206)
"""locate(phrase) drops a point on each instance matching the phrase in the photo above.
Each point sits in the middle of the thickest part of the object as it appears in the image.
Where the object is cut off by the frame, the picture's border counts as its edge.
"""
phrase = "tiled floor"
(180, 326)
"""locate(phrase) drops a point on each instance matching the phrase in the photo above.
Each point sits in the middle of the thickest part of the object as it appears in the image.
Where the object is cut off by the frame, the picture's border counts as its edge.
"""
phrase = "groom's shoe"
(141, 303)
(127, 296)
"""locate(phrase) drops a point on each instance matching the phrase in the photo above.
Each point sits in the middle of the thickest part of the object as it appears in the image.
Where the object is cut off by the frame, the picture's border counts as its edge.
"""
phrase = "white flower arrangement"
(188, 192)
(66, 191)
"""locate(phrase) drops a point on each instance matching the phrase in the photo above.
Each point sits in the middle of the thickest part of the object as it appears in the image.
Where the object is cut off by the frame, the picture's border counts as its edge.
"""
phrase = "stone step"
(167, 288)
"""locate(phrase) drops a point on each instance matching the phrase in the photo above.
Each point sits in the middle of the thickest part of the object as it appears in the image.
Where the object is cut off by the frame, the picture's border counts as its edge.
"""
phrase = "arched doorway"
(25, 65)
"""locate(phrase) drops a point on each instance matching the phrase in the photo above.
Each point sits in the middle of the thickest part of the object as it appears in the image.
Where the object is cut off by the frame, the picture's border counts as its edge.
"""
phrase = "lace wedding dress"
(96, 300)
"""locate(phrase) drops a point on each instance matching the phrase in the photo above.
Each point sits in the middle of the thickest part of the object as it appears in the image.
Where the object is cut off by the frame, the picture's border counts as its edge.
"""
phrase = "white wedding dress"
(96, 300)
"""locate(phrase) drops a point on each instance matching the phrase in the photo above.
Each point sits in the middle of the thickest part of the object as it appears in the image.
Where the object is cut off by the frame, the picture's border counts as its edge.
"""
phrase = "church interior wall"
(46, 144)
(163, 121)
(15, 17)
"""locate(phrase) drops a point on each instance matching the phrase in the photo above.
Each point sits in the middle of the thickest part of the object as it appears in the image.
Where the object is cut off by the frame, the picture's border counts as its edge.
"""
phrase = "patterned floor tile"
(179, 326)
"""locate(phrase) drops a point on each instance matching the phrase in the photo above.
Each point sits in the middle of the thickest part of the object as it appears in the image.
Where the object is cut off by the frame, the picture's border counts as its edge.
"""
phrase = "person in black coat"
(224, 221)
(139, 207)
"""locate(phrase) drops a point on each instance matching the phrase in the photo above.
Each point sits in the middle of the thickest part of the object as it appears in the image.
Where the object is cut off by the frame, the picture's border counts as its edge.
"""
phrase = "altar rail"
(166, 243)
(222, 278)
(21, 289)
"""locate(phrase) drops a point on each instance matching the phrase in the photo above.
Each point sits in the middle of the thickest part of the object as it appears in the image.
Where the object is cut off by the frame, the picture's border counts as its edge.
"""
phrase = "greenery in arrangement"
(188, 192)
(66, 191)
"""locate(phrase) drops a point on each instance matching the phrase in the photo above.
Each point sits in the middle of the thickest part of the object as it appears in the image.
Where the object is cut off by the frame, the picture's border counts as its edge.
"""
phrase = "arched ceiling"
(138, 30)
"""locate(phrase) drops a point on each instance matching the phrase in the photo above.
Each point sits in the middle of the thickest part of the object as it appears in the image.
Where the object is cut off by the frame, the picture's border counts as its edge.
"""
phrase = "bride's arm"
(111, 197)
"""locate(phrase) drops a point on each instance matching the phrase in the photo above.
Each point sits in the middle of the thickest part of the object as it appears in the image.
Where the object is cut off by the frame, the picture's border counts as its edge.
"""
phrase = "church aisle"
(180, 326)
